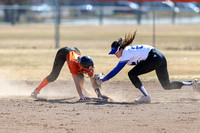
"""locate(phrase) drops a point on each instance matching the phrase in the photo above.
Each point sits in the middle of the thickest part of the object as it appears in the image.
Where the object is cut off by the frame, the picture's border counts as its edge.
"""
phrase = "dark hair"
(115, 44)
(128, 39)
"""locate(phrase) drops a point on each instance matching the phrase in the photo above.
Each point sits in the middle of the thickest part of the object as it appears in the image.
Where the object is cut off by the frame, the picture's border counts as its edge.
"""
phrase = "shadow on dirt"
(98, 101)
(91, 101)
(61, 101)
(189, 99)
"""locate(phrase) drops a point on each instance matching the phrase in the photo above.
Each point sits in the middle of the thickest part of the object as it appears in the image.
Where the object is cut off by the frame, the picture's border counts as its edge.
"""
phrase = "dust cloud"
(25, 88)
(64, 89)
(9, 88)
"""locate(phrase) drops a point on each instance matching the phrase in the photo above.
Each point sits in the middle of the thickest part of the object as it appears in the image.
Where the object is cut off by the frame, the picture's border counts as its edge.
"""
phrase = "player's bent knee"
(130, 75)
(51, 78)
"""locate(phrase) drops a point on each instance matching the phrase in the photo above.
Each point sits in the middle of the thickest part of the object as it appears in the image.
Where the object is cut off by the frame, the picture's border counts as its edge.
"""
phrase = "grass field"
(27, 51)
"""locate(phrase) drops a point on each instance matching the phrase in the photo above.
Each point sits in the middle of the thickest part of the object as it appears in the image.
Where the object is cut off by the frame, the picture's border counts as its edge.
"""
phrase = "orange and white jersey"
(72, 61)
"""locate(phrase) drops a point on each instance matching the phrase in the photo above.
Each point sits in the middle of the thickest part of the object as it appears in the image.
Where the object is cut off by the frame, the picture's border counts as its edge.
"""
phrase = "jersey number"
(137, 47)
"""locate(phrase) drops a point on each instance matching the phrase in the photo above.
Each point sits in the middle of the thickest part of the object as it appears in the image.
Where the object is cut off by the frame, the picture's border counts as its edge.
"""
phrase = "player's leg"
(163, 76)
(141, 68)
(137, 82)
(58, 64)
(151, 63)
(133, 76)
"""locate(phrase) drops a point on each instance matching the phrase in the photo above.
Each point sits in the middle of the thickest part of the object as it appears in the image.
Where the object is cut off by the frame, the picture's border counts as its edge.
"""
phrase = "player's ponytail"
(128, 39)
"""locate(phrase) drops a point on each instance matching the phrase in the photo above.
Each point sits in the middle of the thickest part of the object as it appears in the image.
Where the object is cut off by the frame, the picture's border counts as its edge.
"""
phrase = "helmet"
(86, 62)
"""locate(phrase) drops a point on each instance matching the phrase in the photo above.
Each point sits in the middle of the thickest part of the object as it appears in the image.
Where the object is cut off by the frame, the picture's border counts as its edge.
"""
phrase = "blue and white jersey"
(131, 55)
(135, 53)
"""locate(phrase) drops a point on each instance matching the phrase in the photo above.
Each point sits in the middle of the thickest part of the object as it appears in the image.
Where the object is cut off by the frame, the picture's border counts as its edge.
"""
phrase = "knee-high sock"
(143, 91)
(42, 84)
(187, 83)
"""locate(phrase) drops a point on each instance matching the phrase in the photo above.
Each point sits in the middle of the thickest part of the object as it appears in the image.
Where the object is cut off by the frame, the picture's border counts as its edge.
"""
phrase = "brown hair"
(128, 39)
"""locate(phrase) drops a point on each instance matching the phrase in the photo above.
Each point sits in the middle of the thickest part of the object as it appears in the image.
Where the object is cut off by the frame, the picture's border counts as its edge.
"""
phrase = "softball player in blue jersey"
(145, 59)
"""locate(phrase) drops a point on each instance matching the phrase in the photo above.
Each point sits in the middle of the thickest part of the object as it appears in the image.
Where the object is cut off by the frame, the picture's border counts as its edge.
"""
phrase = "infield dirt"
(57, 109)
(27, 55)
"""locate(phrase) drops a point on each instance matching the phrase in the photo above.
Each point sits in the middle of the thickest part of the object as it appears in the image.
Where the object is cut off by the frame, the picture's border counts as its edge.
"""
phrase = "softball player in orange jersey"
(78, 65)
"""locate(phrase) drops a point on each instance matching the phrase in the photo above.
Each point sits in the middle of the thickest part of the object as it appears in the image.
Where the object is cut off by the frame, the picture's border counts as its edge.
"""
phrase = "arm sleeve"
(118, 68)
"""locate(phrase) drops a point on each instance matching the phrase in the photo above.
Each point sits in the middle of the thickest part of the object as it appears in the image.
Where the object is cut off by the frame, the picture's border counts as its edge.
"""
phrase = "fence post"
(57, 23)
(154, 26)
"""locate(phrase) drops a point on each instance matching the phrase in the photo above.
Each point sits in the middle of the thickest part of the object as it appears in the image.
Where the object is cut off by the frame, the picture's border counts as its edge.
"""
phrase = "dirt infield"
(58, 110)
(26, 57)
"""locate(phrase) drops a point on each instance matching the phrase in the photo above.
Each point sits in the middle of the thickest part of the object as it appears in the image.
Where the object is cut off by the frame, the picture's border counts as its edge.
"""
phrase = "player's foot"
(84, 99)
(143, 99)
(35, 93)
(196, 85)
(104, 97)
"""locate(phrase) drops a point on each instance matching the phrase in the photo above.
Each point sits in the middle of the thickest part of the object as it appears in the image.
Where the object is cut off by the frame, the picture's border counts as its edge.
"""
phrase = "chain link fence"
(121, 12)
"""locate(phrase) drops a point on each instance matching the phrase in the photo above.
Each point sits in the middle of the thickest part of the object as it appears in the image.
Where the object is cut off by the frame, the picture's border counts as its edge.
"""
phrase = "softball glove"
(98, 79)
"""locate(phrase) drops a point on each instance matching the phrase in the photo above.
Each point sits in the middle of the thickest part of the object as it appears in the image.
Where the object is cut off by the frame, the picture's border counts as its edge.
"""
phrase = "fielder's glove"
(98, 79)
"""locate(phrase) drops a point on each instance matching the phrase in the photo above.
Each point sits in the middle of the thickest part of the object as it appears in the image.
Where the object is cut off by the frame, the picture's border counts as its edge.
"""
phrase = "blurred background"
(98, 12)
